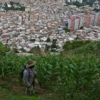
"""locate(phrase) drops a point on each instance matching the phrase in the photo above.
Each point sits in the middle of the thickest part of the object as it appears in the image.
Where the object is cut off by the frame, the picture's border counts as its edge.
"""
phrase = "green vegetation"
(48, 39)
(3, 49)
(97, 10)
(35, 50)
(14, 6)
(85, 2)
(67, 30)
(53, 46)
(74, 74)
(54, 43)
(32, 40)
(5, 95)
(88, 2)
(73, 45)
(77, 4)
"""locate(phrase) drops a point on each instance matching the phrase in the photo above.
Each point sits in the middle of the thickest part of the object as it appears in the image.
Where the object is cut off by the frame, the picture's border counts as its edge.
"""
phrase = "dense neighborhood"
(47, 20)
(49, 49)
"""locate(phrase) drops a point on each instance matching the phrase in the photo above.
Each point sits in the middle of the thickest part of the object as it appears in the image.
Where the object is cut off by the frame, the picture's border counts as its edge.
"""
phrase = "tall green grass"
(74, 77)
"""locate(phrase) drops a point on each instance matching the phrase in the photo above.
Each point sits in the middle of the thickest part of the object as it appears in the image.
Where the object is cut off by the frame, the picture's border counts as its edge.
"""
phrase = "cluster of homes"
(32, 28)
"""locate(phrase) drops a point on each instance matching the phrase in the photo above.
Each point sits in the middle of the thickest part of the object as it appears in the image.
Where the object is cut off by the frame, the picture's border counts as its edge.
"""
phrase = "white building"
(75, 1)
(96, 4)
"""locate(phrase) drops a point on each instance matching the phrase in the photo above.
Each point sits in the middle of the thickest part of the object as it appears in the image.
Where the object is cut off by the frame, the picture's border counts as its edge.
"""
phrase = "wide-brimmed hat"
(30, 63)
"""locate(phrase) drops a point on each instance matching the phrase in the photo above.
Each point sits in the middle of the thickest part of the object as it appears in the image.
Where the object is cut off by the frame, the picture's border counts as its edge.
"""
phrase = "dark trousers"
(34, 87)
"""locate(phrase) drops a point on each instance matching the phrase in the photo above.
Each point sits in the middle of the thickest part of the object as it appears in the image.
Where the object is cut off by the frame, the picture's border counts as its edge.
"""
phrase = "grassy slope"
(6, 95)
(85, 50)
(11, 89)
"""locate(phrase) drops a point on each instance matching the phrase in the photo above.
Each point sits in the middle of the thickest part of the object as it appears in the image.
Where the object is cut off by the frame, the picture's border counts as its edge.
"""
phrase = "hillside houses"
(25, 30)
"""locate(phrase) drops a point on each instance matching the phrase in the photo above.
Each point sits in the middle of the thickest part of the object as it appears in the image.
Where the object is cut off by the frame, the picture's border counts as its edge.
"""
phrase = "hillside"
(83, 47)
(72, 75)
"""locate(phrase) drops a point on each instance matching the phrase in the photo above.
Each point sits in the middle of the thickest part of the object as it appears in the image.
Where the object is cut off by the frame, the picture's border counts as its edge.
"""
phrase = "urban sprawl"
(43, 19)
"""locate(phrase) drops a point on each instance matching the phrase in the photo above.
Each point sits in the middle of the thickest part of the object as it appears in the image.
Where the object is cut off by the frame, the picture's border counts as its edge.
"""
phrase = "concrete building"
(75, 1)
(96, 4)
(25, 30)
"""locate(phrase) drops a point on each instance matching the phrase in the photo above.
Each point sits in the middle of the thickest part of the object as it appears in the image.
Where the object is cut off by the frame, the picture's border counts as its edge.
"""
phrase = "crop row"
(77, 77)
(68, 78)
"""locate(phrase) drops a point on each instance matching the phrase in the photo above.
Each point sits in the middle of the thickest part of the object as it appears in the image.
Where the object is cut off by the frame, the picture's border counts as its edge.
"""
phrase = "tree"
(47, 48)
(67, 30)
(17, 3)
(48, 39)
(89, 2)
(5, 4)
(77, 4)
(97, 10)
(81, 27)
(12, 3)
(3, 49)
(32, 40)
(54, 43)
(22, 8)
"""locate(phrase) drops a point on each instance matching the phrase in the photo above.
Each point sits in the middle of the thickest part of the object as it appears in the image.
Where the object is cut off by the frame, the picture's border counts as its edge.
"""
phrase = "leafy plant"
(67, 77)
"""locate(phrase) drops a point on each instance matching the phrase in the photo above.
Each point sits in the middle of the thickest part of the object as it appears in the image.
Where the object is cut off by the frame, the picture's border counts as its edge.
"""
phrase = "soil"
(13, 85)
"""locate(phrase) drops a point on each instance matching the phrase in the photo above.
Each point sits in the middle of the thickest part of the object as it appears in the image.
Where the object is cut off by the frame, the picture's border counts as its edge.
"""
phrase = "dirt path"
(14, 86)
